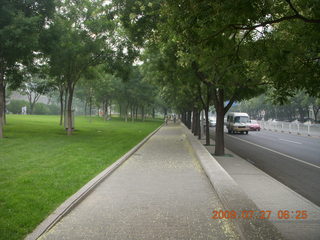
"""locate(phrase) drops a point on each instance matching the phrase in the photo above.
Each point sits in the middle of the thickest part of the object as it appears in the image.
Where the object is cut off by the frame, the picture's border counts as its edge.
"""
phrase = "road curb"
(76, 198)
(232, 196)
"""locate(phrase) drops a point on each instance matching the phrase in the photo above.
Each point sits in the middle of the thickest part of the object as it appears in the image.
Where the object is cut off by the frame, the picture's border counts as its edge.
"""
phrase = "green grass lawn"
(40, 166)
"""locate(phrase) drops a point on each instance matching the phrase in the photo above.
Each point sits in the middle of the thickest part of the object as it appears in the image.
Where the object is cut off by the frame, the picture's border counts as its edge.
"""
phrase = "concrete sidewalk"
(160, 192)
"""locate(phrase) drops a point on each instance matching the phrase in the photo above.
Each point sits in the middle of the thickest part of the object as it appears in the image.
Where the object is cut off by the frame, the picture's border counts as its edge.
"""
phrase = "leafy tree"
(224, 62)
(15, 106)
(288, 36)
(103, 90)
(34, 87)
(178, 84)
(20, 25)
(81, 35)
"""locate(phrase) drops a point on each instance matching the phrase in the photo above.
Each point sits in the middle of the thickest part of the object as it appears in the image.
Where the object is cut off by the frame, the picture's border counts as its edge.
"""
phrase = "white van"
(238, 122)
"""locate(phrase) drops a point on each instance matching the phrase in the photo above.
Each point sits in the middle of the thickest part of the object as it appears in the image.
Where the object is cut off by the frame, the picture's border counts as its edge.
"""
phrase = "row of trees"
(135, 95)
(55, 46)
(217, 53)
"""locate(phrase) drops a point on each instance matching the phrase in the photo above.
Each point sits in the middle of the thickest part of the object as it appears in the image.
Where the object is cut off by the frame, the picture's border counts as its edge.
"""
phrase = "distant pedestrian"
(174, 118)
(166, 119)
(24, 110)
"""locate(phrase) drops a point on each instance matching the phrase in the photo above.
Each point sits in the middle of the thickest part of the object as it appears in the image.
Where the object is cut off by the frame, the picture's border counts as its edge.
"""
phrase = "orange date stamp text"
(260, 214)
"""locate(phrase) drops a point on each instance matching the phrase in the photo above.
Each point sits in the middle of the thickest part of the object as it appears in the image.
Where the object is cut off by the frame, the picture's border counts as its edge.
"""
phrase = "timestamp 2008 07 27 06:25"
(259, 214)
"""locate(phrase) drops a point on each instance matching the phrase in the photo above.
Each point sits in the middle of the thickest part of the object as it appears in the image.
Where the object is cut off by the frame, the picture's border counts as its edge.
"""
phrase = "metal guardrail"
(292, 127)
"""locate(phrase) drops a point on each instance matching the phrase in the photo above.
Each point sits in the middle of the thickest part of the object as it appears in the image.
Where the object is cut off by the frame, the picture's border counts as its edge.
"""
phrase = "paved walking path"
(160, 192)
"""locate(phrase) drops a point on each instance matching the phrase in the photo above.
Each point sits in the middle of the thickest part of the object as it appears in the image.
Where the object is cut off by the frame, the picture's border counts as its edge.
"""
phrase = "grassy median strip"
(40, 166)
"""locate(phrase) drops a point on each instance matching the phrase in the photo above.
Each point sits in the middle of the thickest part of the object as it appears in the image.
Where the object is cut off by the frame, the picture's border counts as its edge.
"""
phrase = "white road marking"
(285, 155)
(289, 141)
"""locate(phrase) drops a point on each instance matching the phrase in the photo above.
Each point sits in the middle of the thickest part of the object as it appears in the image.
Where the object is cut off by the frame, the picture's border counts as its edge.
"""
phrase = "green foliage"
(15, 106)
(45, 109)
(138, 18)
(52, 109)
(292, 59)
(40, 108)
(295, 107)
(20, 25)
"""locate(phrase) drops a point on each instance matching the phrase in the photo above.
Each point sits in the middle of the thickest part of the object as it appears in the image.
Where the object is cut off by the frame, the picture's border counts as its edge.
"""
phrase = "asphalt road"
(292, 160)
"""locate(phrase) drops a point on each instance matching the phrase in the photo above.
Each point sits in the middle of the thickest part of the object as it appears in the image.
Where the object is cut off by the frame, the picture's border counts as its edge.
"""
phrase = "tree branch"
(228, 106)
(200, 95)
(270, 22)
(292, 7)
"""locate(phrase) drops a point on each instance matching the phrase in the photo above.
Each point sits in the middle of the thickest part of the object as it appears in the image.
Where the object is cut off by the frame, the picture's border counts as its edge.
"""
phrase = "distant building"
(18, 96)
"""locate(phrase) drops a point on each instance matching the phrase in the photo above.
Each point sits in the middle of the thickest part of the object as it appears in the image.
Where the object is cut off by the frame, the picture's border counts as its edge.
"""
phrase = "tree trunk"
(153, 113)
(187, 113)
(132, 113)
(142, 113)
(198, 126)
(185, 118)
(315, 113)
(66, 100)
(61, 106)
(194, 121)
(126, 113)
(221, 110)
(106, 110)
(4, 105)
(110, 109)
(195, 112)
(90, 107)
(1, 103)
(206, 112)
(69, 110)
(301, 114)
(31, 108)
(85, 107)
(219, 147)
(136, 112)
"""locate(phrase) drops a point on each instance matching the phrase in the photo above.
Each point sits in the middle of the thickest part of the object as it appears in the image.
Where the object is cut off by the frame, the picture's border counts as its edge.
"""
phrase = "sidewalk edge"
(76, 198)
(232, 196)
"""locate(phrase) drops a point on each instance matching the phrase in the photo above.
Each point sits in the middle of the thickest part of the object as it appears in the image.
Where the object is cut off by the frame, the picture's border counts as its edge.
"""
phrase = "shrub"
(53, 109)
(15, 106)
(41, 109)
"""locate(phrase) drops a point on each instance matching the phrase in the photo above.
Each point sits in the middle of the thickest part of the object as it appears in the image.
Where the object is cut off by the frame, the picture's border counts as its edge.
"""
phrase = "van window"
(241, 119)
